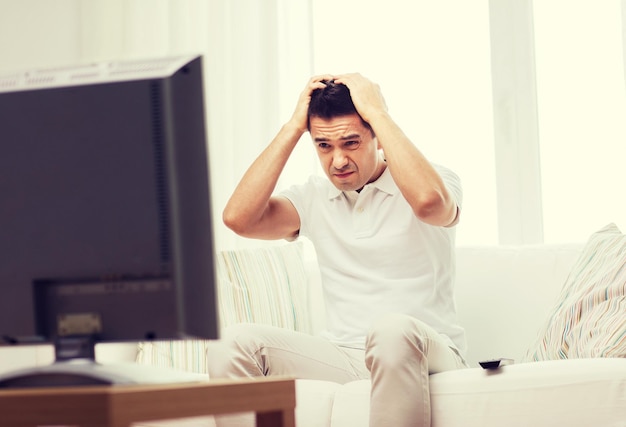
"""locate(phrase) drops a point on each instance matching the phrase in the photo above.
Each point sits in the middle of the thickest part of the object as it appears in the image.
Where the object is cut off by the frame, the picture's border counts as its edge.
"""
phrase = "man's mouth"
(342, 175)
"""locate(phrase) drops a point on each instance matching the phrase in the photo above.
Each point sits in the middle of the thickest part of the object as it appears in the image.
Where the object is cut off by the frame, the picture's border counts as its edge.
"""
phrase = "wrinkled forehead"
(339, 128)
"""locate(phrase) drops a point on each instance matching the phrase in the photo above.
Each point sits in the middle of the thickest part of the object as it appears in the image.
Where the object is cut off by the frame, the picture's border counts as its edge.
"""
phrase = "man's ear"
(382, 153)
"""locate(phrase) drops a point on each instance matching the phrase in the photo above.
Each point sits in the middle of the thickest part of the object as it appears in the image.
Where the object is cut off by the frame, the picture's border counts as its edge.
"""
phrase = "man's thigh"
(254, 350)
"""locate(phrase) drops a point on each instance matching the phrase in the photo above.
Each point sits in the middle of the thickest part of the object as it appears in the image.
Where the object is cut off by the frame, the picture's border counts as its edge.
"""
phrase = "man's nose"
(340, 160)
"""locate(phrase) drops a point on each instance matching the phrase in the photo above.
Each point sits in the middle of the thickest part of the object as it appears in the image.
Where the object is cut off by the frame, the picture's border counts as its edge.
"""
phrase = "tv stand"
(84, 372)
(75, 365)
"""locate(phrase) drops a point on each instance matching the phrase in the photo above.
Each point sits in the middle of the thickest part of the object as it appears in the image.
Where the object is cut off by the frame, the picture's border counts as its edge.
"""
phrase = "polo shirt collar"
(384, 183)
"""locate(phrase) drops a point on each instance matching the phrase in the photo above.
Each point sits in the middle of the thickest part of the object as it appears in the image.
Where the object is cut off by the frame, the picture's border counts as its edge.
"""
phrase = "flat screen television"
(105, 219)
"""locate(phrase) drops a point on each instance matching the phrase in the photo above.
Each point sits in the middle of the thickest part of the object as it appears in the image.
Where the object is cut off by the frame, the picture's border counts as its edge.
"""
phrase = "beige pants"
(400, 354)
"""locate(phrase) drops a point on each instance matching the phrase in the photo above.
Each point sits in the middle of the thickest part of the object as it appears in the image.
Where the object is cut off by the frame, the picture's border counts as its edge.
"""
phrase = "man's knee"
(394, 339)
(233, 355)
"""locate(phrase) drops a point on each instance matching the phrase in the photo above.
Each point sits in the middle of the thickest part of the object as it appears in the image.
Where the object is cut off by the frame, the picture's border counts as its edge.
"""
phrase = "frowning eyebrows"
(352, 136)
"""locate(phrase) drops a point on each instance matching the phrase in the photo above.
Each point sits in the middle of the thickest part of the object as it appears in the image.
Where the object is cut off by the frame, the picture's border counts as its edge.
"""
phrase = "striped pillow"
(263, 285)
(590, 317)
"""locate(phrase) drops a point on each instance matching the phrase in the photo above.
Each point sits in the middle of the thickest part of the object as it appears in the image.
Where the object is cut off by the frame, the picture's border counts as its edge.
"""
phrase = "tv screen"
(106, 226)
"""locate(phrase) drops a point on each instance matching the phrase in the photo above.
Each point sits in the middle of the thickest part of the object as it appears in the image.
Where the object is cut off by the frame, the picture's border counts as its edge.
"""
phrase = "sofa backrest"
(504, 295)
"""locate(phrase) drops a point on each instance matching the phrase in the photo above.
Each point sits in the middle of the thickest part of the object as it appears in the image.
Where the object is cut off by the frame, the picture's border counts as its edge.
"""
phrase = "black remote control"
(495, 363)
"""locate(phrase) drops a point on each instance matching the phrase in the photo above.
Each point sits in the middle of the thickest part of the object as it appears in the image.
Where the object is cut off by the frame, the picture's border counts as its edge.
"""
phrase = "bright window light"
(582, 116)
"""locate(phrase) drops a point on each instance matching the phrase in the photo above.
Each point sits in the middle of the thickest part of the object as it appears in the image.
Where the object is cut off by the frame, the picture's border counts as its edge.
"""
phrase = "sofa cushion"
(266, 285)
(316, 399)
(588, 319)
(577, 393)
(573, 393)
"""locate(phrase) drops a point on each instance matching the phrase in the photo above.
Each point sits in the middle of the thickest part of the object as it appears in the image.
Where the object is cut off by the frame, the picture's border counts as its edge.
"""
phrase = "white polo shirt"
(376, 257)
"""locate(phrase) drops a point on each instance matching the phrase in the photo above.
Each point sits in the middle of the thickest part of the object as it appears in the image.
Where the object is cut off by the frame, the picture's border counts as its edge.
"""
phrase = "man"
(382, 225)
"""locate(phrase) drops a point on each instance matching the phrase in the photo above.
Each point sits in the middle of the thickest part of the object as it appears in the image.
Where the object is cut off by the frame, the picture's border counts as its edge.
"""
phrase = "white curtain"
(256, 59)
(256, 56)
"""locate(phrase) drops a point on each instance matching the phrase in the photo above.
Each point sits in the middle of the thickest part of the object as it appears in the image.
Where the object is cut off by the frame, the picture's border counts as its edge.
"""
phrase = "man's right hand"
(252, 211)
(299, 119)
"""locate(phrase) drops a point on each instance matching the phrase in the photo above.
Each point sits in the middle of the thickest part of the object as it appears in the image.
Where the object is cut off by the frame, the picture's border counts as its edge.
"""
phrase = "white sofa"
(504, 295)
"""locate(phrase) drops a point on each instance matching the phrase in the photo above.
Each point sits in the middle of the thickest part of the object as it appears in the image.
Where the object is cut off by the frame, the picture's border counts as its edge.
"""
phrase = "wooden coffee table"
(272, 399)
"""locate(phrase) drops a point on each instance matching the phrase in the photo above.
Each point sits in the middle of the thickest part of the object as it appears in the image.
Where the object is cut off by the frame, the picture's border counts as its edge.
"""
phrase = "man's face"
(347, 151)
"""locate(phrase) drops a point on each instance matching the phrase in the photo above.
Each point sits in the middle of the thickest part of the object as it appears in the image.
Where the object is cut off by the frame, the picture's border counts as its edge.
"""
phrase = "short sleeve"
(302, 196)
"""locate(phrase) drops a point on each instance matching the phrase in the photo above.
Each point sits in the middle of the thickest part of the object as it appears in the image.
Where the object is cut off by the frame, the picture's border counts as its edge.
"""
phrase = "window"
(581, 97)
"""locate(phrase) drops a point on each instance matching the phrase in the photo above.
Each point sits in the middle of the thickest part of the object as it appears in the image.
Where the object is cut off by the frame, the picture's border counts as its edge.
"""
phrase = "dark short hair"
(334, 100)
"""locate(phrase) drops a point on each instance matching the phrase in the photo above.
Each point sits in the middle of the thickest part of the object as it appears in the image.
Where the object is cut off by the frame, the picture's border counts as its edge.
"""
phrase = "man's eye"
(351, 144)
(323, 146)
